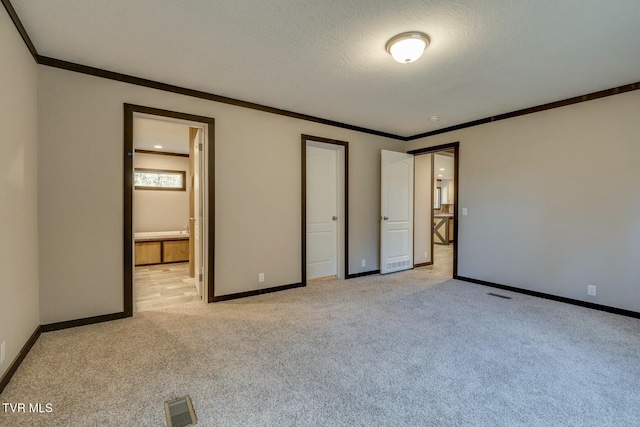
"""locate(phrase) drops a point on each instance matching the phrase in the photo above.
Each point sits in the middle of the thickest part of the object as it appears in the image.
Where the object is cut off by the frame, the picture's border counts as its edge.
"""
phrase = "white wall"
(19, 315)
(161, 210)
(258, 174)
(542, 215)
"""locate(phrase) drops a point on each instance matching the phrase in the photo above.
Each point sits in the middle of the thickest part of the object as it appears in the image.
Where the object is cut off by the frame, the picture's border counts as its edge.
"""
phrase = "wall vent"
(398, 264)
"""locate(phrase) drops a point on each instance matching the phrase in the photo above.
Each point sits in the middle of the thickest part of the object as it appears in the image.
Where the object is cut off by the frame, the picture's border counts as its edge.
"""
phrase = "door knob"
(385, 218)
(335, 218)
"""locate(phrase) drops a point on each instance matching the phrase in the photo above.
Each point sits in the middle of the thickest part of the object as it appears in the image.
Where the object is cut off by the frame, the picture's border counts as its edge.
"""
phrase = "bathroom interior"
(163, 214)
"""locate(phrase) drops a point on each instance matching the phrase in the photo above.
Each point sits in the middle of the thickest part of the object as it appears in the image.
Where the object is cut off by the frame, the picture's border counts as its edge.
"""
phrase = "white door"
(396, 222)
(322, 211)
(199, 210)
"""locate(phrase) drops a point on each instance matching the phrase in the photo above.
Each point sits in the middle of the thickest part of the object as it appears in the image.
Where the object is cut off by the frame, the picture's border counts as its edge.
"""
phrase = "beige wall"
(257, 192)
(161, 210)
(543, 214)
(19, 315)
(423, 207)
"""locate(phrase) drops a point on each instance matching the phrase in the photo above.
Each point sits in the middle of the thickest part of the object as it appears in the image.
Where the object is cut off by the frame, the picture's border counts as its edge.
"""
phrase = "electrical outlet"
(591, 290)
(425, 255)
(261, 277)
(2, 351)
(364, 262)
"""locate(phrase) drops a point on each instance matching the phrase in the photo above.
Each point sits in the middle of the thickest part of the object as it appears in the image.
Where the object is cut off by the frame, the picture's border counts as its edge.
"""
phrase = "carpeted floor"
(407, 349)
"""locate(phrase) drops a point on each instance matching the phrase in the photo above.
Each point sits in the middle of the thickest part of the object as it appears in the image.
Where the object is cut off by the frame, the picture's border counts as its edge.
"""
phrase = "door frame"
(209, 142)
(345, 192)
(456, 162)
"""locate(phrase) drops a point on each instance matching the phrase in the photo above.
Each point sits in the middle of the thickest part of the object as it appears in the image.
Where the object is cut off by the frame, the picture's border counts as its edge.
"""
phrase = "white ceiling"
(327, 58)
(173, 137)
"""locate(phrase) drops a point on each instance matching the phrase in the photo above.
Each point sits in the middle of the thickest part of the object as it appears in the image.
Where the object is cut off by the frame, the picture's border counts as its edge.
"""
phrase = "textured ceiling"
(326, 58)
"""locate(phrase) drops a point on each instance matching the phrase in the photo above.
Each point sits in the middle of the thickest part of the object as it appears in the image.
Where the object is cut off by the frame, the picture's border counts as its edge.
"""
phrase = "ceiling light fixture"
(157, 146)
(407, 47)
(441, 169)
(434, 118)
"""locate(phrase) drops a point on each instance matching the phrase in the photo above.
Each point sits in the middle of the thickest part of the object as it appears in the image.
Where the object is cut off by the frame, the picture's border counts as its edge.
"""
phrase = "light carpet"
(407, 349)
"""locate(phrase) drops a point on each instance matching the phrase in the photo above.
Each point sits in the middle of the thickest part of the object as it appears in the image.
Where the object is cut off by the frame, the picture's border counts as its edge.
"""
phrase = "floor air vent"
(498, 295)
(180, 412)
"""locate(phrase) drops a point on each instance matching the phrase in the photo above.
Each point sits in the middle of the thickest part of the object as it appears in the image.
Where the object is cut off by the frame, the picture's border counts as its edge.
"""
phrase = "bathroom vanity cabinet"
(161, 251)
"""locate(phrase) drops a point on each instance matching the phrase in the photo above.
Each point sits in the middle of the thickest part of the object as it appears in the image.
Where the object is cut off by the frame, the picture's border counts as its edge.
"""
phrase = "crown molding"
(112, 75)
(531, 110)
(23, 33)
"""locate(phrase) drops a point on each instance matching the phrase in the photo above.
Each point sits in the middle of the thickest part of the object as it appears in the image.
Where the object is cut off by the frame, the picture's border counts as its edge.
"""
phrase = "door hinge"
(200, 277)
(200, 146)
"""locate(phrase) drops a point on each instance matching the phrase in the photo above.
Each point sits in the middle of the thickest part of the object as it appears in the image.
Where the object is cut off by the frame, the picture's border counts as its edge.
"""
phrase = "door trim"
(304, 138)
(456, 162)
(129, 110)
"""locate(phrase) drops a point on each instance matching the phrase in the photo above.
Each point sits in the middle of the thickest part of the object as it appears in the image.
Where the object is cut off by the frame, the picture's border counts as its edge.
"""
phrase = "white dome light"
(407, 47)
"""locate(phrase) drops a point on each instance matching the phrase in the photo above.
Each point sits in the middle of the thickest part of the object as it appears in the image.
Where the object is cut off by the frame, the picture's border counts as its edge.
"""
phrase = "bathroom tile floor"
(442, 260)
(163, 286)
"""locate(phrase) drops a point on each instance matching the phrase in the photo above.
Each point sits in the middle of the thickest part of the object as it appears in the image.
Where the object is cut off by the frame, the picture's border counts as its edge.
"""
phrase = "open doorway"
(436, 209)
(168, 201)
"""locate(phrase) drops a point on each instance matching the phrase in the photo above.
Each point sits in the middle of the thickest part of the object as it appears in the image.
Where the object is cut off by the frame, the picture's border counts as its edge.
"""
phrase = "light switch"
(464, 211)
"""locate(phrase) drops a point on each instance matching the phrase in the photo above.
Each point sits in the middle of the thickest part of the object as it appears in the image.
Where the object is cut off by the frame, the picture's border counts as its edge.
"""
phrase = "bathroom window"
(157, 179)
